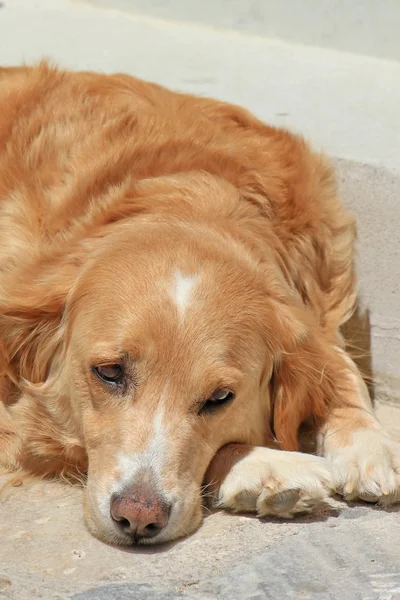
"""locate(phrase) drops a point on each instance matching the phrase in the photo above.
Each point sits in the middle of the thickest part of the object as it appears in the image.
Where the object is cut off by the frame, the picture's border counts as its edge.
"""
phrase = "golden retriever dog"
(173, 278)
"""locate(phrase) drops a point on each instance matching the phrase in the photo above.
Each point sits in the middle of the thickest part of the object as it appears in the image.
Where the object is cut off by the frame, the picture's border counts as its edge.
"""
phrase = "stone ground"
(347, 104)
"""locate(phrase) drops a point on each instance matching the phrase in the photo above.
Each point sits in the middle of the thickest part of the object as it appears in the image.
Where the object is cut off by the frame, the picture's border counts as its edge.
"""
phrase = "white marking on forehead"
(182, 290)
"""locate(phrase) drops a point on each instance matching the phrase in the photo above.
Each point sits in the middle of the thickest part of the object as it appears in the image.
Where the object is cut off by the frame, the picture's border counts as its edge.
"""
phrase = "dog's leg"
(365, 459)
(268, 481)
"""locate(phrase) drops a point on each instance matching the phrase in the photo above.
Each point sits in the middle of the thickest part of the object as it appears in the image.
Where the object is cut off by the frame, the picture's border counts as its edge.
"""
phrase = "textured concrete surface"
(346, 104)
(344, 559)
(341, 552)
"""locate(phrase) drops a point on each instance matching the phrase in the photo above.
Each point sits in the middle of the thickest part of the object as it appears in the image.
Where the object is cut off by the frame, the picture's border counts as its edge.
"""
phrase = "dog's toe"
(280, 484)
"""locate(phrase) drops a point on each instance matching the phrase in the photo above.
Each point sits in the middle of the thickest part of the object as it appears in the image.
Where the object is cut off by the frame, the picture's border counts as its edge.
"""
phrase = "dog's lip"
(131, 543)
(148, 541)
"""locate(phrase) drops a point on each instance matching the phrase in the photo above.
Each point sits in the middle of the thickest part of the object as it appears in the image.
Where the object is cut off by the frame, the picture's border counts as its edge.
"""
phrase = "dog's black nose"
(140, 516)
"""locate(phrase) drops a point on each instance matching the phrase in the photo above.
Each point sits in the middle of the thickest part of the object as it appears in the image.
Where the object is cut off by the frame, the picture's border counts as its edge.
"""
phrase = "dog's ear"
(31, 316)
(307, 373)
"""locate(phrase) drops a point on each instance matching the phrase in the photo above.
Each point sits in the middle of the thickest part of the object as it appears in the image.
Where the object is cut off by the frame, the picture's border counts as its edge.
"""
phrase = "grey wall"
(361, 26)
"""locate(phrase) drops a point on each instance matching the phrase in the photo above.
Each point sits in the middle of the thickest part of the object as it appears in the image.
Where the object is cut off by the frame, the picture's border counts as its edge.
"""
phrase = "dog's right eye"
(113, 373)
(217, 399)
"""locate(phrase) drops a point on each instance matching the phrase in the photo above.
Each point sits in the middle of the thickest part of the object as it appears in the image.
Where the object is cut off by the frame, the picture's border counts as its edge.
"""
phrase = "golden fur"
(108, 187)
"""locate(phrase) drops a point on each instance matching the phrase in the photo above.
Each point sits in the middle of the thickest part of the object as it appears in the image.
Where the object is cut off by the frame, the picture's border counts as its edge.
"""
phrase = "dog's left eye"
(217, 398)
(113, 374)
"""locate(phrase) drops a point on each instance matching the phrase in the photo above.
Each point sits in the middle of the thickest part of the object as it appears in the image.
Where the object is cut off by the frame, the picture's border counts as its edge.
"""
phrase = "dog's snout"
(140, 516)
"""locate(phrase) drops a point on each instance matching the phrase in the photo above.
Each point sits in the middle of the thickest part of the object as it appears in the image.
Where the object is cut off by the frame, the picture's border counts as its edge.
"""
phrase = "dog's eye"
(217, 398)
(110, 373)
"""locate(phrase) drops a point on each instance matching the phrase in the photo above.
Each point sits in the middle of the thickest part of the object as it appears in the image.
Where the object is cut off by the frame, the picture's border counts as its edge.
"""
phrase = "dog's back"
(69, 140)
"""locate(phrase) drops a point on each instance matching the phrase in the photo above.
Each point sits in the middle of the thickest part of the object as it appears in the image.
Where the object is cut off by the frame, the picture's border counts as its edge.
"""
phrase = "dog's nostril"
(152, 529)
(123, 523)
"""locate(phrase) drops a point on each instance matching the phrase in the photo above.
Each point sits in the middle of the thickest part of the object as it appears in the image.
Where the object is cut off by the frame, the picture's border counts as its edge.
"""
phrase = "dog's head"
(167, 363)
(165, 351)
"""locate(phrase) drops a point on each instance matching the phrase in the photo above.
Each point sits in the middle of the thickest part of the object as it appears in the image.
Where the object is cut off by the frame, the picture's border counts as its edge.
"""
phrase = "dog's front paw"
(278, 483)
(368, 468)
